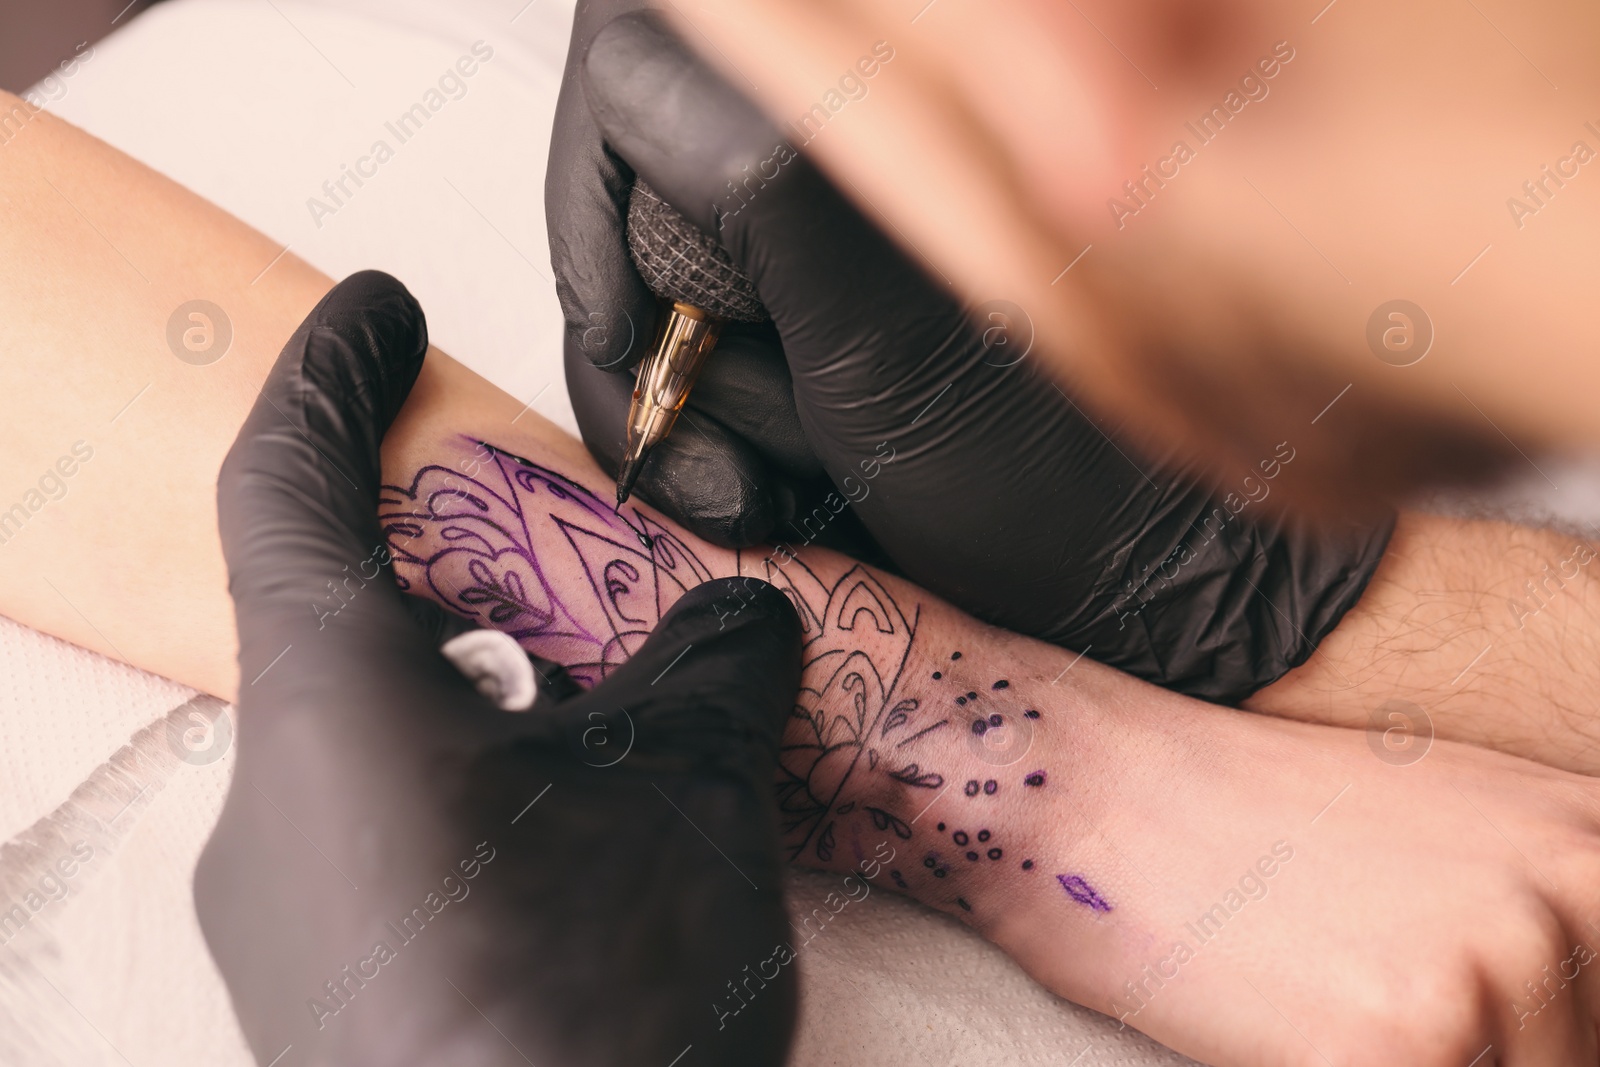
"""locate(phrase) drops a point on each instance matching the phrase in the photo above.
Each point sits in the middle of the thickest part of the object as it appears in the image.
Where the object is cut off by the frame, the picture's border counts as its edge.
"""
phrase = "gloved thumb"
(690, 725)
(709, 690)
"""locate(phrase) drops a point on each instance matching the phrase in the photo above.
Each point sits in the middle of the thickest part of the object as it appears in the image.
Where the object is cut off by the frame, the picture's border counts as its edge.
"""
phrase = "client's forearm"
(1479, 631)
(927, 753)
(1118, 840)
(903, 699)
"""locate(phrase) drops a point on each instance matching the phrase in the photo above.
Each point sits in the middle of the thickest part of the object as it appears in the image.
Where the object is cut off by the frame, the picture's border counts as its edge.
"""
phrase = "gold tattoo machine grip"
(700, 290)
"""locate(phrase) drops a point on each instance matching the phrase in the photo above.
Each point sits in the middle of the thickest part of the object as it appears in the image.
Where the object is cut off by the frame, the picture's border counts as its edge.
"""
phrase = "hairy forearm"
(1479, 631)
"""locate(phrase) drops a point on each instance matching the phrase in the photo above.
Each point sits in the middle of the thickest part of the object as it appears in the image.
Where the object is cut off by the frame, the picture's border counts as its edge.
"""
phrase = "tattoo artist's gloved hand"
(737, 464)
(978, 477)
(405, 873)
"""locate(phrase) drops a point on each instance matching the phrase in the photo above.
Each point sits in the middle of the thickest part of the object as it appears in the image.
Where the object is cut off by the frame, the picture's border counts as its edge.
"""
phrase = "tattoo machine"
(700, 291)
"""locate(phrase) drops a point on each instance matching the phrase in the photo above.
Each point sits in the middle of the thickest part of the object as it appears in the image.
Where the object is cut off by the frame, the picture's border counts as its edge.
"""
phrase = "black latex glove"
(1002, 496)
(731, 476)
(536, 902)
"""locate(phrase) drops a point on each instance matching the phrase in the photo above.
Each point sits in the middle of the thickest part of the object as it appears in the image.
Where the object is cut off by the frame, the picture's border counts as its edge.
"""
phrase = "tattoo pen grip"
(700, 290)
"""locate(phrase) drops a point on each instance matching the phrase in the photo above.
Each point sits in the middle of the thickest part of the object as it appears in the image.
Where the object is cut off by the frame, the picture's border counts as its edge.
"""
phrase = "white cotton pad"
(496, 665)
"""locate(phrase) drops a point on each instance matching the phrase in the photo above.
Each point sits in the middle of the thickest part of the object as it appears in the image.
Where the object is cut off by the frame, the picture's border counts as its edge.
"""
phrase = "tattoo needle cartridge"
(700, 290)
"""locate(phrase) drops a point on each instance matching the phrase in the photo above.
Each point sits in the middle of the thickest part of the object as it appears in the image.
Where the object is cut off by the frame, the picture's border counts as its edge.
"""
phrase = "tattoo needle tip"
(629, 474)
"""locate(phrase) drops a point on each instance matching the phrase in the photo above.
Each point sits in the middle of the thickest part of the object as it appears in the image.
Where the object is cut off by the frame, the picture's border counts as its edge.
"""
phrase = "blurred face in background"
(1209, 212)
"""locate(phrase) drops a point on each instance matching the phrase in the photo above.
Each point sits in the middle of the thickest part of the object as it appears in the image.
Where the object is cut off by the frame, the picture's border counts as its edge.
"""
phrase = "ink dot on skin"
(1036, 778)
(996, 720)
(955, 655)
(964, 905)
(1001, 684)
(937, 675)
(960, 837)
(990, 787)
(983, 835)
(979, 727)
(930, 862)
(961, 700)
(972, 856)
(941, 828)
(1030, 714)
(972, 787)
(1027, 865)
(939, 872)
(972, 696)
(994, 853)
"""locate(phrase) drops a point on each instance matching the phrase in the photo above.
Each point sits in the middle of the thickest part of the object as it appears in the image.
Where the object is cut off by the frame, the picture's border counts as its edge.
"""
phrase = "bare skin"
(1450, 882)
(1227, 302)
(1119, 818)
(1484, 632)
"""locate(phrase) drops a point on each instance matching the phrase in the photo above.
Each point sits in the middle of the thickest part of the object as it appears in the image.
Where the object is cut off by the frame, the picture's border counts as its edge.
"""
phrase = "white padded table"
(255, 104)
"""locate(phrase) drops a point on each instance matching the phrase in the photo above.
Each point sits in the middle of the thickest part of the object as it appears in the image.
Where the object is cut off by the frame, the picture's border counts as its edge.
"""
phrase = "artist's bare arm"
(1479, 631)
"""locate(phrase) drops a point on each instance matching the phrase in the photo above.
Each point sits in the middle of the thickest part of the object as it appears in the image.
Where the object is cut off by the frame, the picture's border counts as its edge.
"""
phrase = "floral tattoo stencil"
(502, 541)
(499, 546)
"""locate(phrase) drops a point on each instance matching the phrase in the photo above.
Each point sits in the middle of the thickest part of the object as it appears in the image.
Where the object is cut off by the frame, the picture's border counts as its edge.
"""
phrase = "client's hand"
(406, 874)
(981, 480)
(1280, 898)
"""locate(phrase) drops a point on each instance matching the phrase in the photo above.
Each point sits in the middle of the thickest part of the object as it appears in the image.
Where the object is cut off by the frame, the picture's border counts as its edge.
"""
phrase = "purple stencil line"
(1082, 892)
